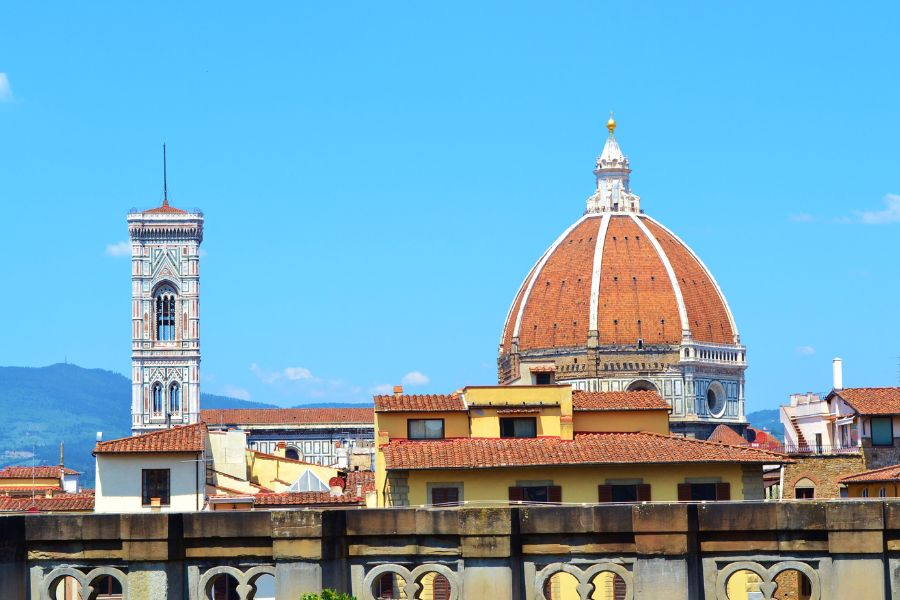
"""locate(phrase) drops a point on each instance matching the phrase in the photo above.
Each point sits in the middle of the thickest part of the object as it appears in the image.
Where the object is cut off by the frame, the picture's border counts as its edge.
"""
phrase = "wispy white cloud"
(6, 94)
(415, 378)
(381, 388)
(890, 214)
(805, 350)
(801, 218)
(235, 392)
(295, 373)
(118, 249)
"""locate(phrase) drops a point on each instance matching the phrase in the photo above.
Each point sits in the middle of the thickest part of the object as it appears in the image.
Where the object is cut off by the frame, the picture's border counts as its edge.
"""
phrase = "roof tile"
(286, 416)
(187, 438)
(596, 401)
(420, 403)
(586, 448)
(872, 400)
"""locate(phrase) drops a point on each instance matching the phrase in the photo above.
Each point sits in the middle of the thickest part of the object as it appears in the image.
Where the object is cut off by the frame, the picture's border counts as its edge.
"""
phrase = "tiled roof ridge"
(111, 445)
(148, 435)
(868, 387)
(350, 414)
(705, 442)
(871, 472)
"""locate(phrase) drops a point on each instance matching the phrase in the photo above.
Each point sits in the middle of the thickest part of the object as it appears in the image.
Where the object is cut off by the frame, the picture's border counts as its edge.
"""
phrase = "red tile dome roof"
(625, 276)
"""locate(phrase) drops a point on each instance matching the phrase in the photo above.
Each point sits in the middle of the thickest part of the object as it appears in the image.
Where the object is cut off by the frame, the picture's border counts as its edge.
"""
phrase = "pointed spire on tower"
(613, 193)
(165, 179)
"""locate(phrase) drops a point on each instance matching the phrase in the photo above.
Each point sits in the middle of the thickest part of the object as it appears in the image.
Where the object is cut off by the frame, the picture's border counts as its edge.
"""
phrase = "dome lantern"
(613, 193)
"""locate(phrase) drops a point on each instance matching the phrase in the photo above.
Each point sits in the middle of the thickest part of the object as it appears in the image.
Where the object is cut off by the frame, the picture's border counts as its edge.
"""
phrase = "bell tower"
(165, 316)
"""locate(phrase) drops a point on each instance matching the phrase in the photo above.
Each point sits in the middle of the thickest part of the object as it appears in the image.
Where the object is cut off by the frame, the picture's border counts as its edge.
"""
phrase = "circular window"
(715, 399)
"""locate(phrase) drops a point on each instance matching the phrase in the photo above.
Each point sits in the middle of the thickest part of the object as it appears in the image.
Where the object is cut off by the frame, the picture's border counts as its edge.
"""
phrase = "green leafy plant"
(328, 595)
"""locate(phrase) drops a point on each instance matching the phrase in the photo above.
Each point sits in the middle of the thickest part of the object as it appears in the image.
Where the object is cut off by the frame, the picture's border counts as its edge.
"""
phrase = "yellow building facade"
(548, 443)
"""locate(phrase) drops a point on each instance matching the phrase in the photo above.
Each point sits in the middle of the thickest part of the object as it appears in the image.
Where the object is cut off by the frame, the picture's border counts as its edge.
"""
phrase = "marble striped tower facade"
(165, 317)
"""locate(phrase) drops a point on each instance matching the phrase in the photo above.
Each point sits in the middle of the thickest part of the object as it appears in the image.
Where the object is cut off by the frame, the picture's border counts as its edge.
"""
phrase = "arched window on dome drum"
(157, 403)
(175, 398)
(165, 314)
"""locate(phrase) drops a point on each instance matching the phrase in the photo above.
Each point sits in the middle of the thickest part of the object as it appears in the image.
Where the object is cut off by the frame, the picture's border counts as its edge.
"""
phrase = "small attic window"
(616, 278)
(653, 278)
(640, 343)
(634, 279)
(615, 321)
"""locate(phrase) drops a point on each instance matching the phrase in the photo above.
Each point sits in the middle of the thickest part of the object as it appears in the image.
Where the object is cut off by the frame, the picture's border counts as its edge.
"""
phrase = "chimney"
(398, 391)
(837, 369)
(280, 449)
(61, 453)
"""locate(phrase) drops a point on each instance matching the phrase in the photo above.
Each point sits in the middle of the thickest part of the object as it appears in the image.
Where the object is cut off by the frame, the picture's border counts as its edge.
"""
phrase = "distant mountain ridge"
(43, 406)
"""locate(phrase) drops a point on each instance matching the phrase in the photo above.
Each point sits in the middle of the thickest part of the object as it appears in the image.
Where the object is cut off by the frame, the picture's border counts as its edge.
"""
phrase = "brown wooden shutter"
(604, 493)
(684, 492)
(554, 493)
(440, 588)
(516, 494)
(723, 491)
(643, 492)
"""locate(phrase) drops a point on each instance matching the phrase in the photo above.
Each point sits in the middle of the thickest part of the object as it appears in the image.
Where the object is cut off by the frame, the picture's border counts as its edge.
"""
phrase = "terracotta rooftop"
(10, 489)
(304, 498)
(61, 503)
(723, 434)
(594, 401)
(366, 479)
(166, 208)
(891, 473)
(43, 472)
(286, 416)
(586, 448)
(419, 403)
(871, 400)
(187, 438)
(636, 297)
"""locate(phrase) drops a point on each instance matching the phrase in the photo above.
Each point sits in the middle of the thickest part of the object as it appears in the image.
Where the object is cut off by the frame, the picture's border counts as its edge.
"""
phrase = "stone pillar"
(293, 579)
(485, 544)
(488, 578)
(157, 580)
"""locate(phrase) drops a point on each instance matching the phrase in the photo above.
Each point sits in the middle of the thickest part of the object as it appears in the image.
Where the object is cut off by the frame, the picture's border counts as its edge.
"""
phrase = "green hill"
(767, 419)
(41, 407)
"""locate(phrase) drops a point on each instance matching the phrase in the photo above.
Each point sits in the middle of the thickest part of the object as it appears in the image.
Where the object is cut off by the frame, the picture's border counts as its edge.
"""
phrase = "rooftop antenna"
(165, 182)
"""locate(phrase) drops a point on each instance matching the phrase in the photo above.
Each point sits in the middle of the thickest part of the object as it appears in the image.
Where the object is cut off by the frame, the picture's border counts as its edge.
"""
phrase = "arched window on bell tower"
(164, 307)
(175, 399)
(157, 397)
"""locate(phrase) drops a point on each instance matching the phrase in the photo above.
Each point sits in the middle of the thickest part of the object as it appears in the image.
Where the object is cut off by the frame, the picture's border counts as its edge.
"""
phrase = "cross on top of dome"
(613, 193)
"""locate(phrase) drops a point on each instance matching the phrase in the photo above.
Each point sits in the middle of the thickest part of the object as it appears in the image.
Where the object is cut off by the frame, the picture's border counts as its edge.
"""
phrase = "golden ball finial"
(611, 124)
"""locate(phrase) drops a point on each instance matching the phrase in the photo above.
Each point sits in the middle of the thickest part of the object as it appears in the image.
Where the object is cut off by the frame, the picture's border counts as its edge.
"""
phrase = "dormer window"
(518, 427)
(425, 429)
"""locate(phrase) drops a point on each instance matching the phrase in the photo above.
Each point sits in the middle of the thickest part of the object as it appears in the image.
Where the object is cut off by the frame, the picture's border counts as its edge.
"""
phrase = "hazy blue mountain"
(768, 419)
(41, 407)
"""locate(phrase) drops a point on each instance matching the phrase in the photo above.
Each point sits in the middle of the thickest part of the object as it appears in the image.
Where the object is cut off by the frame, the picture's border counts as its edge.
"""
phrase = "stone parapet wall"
(676, 551)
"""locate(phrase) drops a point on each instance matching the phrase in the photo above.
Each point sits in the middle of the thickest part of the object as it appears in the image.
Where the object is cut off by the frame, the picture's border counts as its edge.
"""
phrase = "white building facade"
(165, 317)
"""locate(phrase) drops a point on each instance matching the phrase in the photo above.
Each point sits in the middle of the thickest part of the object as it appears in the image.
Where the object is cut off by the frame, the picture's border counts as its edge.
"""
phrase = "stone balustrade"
(678, 551)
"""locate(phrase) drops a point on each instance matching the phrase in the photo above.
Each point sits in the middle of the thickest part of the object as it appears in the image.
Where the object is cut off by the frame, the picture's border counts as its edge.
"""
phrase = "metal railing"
(816, 449)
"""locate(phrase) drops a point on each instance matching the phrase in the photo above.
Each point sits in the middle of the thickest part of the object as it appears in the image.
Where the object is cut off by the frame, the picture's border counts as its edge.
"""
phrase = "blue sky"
(379, 177)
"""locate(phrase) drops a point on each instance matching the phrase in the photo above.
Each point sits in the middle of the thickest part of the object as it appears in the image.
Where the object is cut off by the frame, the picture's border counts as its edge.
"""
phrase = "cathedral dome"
(618, 302)
(620, 277)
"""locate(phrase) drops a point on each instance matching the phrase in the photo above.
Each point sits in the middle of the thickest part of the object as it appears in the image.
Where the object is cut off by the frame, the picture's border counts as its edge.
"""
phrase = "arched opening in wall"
(715, 399)
(106, 587)
(389, 585)
(743, 585)
(223, 587)
(65, 588)
(792, 585)
(175, 398)
(292, 453)
(608, 586)
(804, 489)
(641, 385)
(263, 588)
(157, 395)
(561, 586)
(434, 587)
(164, 309)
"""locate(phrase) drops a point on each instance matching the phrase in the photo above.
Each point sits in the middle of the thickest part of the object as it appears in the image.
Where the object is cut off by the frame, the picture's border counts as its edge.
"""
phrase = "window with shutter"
(684, 492)
(723, 491)
(445, 495)
(643, 492)
(604, 493)
(554, 493)
(516, 494)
